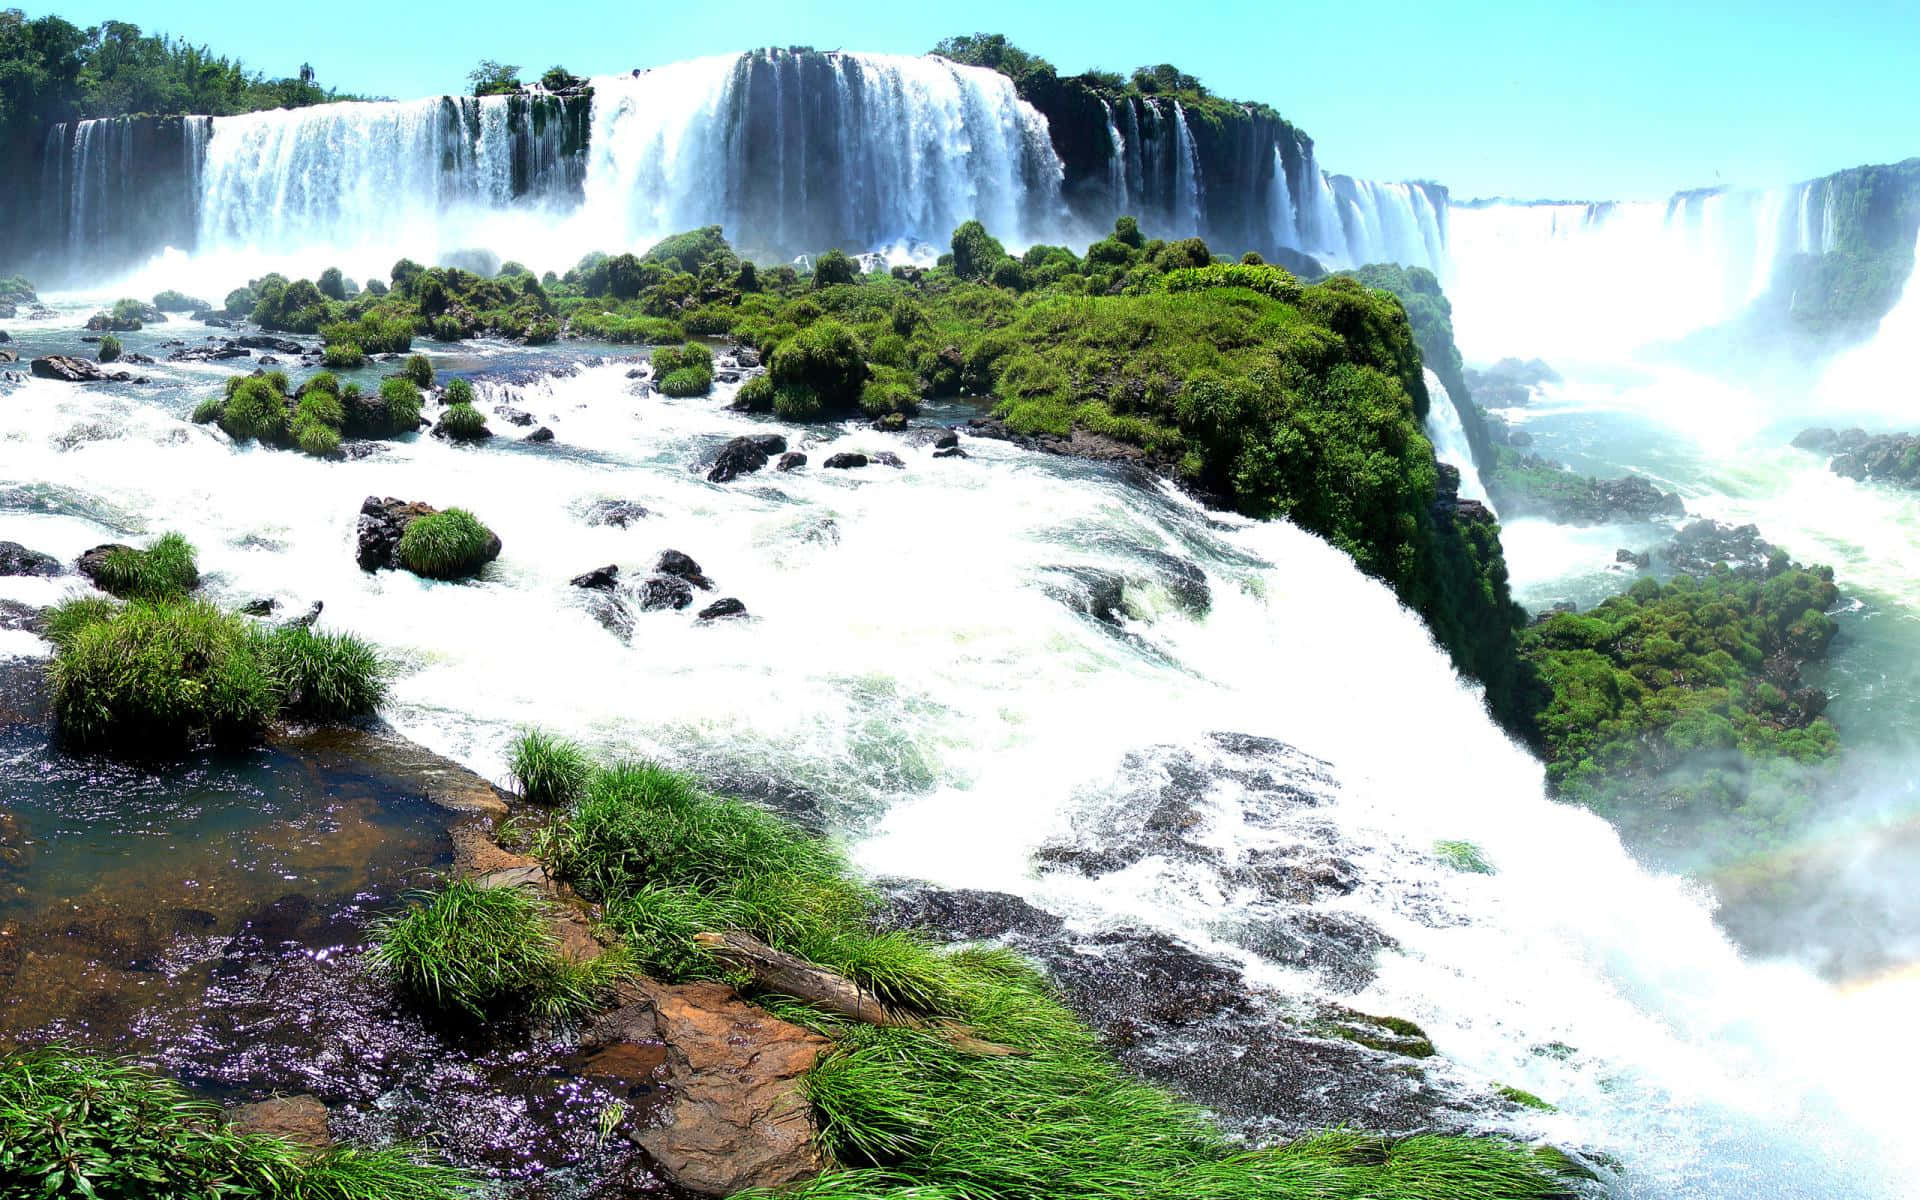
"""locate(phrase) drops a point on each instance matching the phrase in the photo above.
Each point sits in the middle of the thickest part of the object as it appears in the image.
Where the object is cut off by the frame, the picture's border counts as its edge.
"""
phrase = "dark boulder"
(892, 422)
(744, 456)
(845, 461)
(664, 591)
(539, 437)
(217, 353)
(16, 559)
(886, 458)
(1628, 558)
(75, 370)
(514, 416)
(951, 452)
(947, 440)
(92, 562)
(261, 341)
(726, 607)
(260, 608)
(681, 566)
(791, 460)
(600, 579)
(381, 524)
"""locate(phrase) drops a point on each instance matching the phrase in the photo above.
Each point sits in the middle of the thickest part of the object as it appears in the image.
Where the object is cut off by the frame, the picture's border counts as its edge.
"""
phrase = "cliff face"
(1187, 166)
(1871, 216)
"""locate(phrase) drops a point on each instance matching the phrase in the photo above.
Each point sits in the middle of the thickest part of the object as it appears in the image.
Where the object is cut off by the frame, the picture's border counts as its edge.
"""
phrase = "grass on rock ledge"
(74, 1126)
(904, 1113)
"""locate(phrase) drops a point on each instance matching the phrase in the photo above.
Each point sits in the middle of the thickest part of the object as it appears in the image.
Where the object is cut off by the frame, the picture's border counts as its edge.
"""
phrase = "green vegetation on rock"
(451, 544)
(165, 570)
(905, 1111)
(548, 770)
(75, 1126)
(1677, 710)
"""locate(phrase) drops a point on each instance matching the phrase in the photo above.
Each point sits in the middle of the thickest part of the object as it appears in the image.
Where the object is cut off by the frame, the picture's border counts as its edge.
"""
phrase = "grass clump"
(344, 356)
(548, 770)
(256, 409)
(165, 570)
(685, 370)
(74, 1126)
(1463, 856)
(903, 1111)
(485, 952)
(110, 349)
(400, 403)
(418, 371)
(162, 675)
(446, 545)
(463, 423)
(458, 391)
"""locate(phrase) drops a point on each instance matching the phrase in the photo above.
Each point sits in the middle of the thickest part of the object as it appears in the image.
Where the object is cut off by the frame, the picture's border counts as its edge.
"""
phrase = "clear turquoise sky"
(1506, 97)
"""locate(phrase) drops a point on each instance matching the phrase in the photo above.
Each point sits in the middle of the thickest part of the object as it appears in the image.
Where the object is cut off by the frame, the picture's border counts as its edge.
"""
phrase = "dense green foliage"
(445, 545)
(163, 571)
(316, 417)
(178, 302)
(52, 70)
(110, 349)
(161, 675)
(906, 1112)
(1031, 73)
(1677, 707)
(488, 951)
(548, 770)
(684, 370)
(462, 423)
(417, 370)
(1875, 215)
(78, 1127)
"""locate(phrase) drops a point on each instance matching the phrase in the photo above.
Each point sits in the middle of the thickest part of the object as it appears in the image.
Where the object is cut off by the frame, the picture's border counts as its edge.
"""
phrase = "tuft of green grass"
(208, 411)
(686, 381)
(110, 349)
(256, 409)
(484, 952)
(906, 1113)
(75, 1126)
(401, 399)
(463, 422)
(163, 570)
(1523, 1098)
(451, 544)
(418, 371)
(458, 391)
(548, 770)
(1463, 856)
(326, 676)
(157, 676)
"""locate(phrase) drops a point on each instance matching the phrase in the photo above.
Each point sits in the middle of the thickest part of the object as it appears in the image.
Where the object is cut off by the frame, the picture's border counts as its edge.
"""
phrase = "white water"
(1449, 438)
(1876, 378)
(1598, 282)
(904, 662)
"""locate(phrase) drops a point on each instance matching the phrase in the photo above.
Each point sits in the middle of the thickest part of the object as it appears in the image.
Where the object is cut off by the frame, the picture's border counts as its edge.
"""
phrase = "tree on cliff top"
(490, 78)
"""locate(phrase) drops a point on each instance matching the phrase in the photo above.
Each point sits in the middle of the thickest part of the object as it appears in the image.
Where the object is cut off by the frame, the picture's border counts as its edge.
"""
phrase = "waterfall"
(1567, 280)
(1286, 223)
(1875, 379)
(1117, 163)
(1449, 437)
(918, 146)
(1190, 214)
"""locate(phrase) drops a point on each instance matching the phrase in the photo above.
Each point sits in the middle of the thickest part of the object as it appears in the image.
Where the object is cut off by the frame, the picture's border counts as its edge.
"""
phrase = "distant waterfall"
(1449, 438)
(798, 152)
(1190, 206)
(1286, 221)
(118, 187)
(1117, 166)
(1570, 278)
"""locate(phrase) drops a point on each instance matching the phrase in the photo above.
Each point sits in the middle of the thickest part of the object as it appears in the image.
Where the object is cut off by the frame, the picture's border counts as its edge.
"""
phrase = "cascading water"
(1286, 222)
(1117, 166)
(1449, 438)
(1876, 379)
(932, 721)
(1388, 222)
(793, 153)
(1565, 280)
(1190, 205)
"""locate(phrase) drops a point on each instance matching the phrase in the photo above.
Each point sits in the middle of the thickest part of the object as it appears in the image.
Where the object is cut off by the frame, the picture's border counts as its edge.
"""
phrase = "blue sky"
(1506, 97)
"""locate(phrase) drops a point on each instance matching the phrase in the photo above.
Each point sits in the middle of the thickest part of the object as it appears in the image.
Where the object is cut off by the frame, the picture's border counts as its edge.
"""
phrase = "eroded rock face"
(722, 608)
(617, 513)
(682, 566)
(736, 1118)
(382, 523)
(67, 369)
(664, 591)
(16, 559)
(301, 1120)
(600, 579)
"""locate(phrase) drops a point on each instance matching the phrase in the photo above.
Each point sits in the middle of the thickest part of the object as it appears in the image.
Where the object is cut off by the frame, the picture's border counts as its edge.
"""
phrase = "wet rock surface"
(1867, 457)
(16, 559)
(66, 369)
(1701, 546)
(745, 455)
(1274, 1063)
(1541, 487)
(618, 513)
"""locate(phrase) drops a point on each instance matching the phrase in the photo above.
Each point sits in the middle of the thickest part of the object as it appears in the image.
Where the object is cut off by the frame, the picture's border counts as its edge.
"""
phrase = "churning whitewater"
(912, 661)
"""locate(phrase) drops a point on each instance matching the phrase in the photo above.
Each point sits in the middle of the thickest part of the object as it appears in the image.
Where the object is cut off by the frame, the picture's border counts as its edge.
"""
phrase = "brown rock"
(736, 1117)
(301, 1120)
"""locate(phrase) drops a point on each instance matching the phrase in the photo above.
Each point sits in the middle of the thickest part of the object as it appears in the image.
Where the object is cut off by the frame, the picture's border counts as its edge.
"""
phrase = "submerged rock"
(725, 607)
(664, 591)
(301, 1120)
(601, 579)
(1536, 486)
(617, 513)
(539, 436)
(1702, 545)
(845, 461)
(791, 460)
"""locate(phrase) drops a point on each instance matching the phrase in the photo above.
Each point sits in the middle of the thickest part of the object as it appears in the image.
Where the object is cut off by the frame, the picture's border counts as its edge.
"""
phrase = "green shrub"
(376, 332)
(256, 409)
(889, 391)
(165, 570)
(445, 545)
(376, 287)
(109, 349)
(975, 252)
(485, 952)
(315, 437)
(684, 371)
(332, 284)
(463, 423)
(158, 676)
(418, 371)
(402, 402)
(458, 391)
(1463, 856)
(687, 381)
(74, 1126)
(825, 359)
(755, 395)
(320, 404)
(325, 676)
(833, 268)
(240, 302)
(448, 329)
(343, 356)
(128, 315)
(548, 770)
(209, 410)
